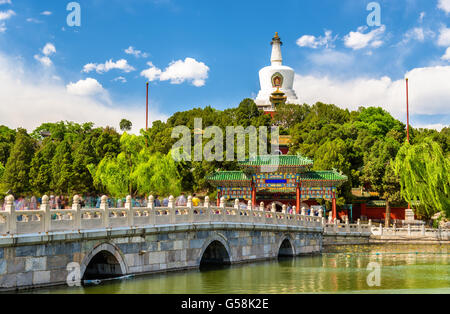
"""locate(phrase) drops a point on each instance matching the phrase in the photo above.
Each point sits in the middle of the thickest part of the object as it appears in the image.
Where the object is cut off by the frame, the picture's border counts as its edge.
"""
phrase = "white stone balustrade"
(76, 218)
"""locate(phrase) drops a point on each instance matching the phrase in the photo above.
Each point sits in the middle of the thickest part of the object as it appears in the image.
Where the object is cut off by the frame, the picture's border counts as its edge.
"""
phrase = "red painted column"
(334, 206)
(253, 194)
(298, 198)
(218, 199)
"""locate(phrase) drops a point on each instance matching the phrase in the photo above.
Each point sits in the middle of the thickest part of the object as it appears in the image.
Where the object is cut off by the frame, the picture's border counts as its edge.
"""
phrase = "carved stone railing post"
(172, 210)
(207, 206)
(151, 210)
(236, 204)
(151, 202)
(45, 208)
(358, 223)
(284, 209)
(222, 202)
(250, 205)
(104, 210)
(302, 211)
(190, 209)
(76, 206)
(261, 206)
(274, 208)
(347, 224)
(423, 230)
(336, 227)
(320, 212)
(12, 219)
(409, 230)
(330, 217)
(381, 229)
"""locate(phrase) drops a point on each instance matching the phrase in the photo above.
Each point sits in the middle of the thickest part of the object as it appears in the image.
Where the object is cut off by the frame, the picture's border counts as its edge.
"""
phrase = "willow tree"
(424, 174)
(135, 171)
(115, 172)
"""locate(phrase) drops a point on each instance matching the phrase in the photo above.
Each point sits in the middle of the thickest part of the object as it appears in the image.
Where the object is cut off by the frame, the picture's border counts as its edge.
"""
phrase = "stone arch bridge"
(43, 247)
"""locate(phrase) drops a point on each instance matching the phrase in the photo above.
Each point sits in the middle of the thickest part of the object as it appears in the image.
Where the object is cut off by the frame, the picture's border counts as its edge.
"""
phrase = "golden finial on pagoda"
(276, 35)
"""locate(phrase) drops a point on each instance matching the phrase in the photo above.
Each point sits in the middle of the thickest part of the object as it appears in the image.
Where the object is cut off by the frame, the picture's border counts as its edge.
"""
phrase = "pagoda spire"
(276, 43)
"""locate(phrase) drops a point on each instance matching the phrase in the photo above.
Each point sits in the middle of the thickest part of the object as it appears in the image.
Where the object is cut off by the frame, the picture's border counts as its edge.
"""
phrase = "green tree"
(62, 169)
(125, 125)
(377, 172)
(424, 174)
(41, 168)
(7, 138)
(16, 175)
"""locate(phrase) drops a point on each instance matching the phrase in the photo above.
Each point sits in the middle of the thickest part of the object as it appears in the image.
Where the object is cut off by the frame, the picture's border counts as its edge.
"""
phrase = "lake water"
(403, 269)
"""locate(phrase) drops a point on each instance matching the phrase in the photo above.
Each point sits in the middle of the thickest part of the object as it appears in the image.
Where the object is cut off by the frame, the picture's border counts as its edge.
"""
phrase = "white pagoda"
(275, 78)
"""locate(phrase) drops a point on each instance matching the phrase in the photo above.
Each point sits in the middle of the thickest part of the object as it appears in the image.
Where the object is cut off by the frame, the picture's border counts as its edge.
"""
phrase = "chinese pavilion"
(281, 179)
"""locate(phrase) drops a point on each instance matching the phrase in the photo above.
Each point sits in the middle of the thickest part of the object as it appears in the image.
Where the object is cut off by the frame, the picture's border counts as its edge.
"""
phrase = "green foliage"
(62, 169)
(136, 171)
(16, 174)
(424, 174)
(7, 138)
(125, 125)
(41, 168)
(2, 170)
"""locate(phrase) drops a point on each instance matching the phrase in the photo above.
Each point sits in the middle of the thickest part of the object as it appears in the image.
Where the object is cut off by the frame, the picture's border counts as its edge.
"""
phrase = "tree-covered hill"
(68, 158)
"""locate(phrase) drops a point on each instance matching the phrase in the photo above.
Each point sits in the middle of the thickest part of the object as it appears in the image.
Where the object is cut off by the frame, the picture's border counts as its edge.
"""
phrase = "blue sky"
(204, 52)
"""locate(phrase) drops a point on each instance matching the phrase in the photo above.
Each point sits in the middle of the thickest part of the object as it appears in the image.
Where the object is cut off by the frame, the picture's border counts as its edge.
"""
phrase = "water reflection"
(412, 269)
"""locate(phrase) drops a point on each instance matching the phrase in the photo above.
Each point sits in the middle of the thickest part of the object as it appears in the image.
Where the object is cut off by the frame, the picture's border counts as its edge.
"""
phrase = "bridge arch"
(286, 247)
(215, 251)
(104, 261)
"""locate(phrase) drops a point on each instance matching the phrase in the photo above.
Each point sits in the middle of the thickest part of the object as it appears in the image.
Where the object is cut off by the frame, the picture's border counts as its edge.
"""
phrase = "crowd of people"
(63, 202)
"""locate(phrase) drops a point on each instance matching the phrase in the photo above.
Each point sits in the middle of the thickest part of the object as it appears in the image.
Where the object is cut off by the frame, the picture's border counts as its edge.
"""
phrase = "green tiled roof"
(228, 176)
(323, 176)
(282, 161)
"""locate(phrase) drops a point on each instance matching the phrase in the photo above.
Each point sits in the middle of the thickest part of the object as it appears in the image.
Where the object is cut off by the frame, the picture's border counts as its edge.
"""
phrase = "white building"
(276, 76)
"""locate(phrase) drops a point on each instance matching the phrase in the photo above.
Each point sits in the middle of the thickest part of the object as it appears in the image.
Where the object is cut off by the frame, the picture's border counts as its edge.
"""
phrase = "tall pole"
(407, 119)
(146, 117)
(407, 111)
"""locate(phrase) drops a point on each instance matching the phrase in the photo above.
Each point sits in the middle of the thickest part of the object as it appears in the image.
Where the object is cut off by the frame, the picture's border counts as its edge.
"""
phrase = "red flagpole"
(407, 118)
(407, 111)
(146, 116)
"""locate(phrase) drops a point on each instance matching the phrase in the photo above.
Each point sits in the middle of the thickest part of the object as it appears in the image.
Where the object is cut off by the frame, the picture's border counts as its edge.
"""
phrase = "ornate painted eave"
(324, 178)
(229, 178)
(273, 163)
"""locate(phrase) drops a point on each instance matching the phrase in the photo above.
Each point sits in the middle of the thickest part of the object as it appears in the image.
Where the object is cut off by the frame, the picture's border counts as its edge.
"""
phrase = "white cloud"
(422, 16)
(87, 87)
(4, 15)
(179, 71)
(418, 34)
(444, 37)
(444, 5)
(44, 60)
(358, 40)
(120, 79)
(446, 56)
(316, 42)
(2, 27)
(30, 98)
(121, 64)
(5, 1)
(137, 53)
(48, 50)
(46, 13)
(429, 92)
